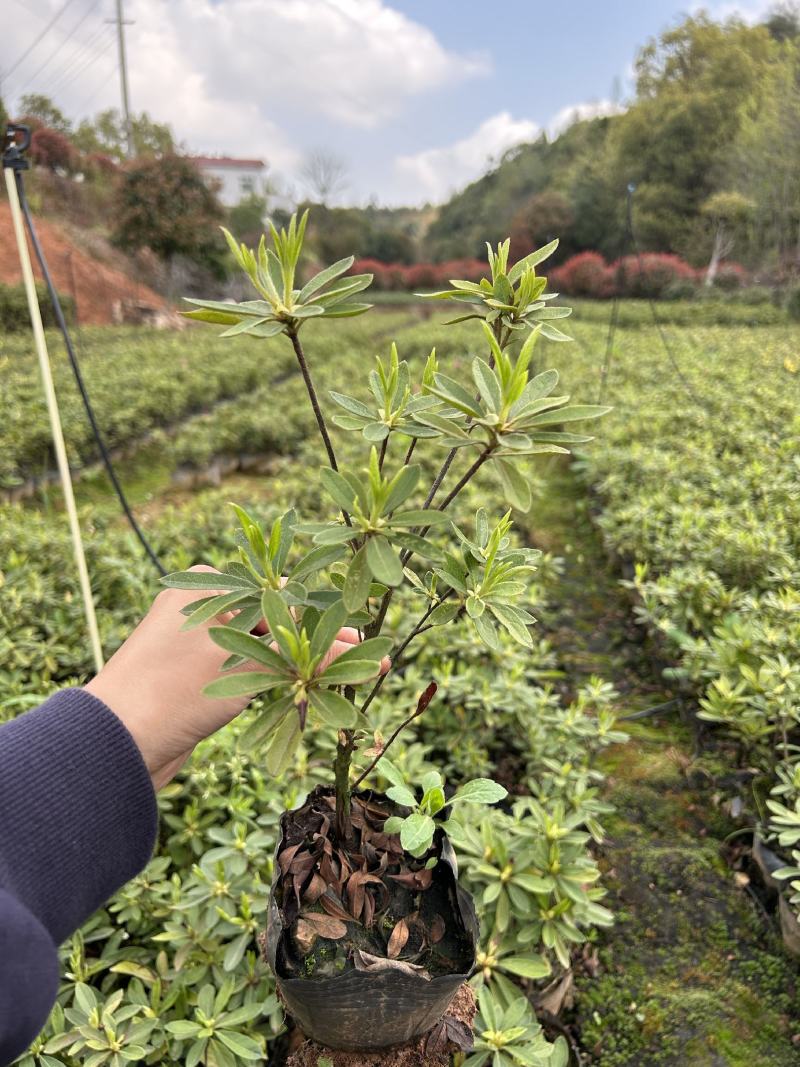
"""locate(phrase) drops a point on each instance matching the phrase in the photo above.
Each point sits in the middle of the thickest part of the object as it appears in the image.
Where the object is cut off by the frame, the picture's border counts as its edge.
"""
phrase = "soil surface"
(96, 285)
(693, 973)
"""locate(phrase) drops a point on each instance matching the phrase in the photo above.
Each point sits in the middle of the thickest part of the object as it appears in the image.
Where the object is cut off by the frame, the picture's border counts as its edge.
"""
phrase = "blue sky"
(415, 96)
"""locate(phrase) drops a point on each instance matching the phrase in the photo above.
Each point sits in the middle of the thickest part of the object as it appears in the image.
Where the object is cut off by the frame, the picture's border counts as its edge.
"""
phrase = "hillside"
(98, 287)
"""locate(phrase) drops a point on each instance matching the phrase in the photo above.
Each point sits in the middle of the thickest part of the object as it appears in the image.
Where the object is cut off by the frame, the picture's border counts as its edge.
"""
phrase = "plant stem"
(341, 767)
(422, 704)
(410, 452)
(397, 654)
(312, 395)
(440, 477)
(476, 466)
(382, 457)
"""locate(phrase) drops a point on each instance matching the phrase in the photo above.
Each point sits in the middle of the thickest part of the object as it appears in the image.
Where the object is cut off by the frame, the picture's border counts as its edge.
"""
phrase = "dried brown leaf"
(458, 1033)
(365, 961)
(286, 857)
(397, 940)
(437, 929)
(416, 880)
(334, 908)
(326, 925)
(314, 890)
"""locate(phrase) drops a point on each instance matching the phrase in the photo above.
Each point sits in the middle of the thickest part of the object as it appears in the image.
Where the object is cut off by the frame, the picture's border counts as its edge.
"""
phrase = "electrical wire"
(42, 66)
(96, 432)
(43, 33)
(83, 56)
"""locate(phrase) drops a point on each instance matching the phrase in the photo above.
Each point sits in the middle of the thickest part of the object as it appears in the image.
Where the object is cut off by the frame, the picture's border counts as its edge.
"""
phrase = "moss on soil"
(693, 974)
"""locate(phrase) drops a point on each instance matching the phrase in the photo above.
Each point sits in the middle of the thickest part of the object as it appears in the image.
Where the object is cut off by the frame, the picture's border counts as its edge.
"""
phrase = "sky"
(415, 97)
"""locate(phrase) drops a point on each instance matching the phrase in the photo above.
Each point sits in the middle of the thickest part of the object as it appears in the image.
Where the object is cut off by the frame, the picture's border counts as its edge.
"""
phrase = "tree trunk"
(716, 256)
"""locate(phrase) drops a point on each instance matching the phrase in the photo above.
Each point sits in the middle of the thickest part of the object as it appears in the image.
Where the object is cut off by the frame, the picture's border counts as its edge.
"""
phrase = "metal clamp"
(14, 148)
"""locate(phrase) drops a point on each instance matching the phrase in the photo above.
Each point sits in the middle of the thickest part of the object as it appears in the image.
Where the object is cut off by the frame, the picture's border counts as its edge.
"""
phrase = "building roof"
(228, 162)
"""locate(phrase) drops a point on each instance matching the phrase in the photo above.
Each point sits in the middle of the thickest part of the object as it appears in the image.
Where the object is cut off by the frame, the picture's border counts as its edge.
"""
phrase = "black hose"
(96, 432)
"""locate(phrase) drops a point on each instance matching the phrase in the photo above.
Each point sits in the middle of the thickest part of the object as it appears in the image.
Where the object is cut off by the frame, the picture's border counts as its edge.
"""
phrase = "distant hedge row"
(14, 315)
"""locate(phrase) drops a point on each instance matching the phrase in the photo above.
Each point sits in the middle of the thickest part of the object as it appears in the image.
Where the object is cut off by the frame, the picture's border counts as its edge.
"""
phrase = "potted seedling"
(369, 934)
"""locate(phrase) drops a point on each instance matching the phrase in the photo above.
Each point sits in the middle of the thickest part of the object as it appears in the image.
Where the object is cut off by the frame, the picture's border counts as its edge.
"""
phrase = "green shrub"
(793, 303)
(14, 315)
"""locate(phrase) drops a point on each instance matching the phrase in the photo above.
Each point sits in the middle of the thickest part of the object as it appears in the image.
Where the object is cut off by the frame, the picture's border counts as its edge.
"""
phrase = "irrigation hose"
(90, 414)
(55, 418)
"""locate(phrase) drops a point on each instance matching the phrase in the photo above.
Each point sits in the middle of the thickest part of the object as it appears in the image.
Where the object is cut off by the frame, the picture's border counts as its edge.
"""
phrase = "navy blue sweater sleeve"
(77, 820)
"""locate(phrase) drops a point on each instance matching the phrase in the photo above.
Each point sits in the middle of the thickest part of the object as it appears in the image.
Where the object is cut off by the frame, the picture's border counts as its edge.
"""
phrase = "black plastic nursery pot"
(362, 1010)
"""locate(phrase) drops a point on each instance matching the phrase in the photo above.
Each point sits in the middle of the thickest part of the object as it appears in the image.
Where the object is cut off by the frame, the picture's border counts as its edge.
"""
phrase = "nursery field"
(649, 729)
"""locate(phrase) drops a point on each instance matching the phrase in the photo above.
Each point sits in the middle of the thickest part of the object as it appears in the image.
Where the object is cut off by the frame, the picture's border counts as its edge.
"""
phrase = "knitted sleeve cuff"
(78, 813)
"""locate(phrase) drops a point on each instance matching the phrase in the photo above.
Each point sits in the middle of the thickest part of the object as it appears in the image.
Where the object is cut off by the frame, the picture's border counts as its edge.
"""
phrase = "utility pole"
(123, 74)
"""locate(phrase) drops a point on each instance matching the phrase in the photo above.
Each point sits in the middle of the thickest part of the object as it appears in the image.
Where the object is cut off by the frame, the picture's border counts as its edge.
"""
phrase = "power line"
(61, 44)
(44, 32)
(81, 60)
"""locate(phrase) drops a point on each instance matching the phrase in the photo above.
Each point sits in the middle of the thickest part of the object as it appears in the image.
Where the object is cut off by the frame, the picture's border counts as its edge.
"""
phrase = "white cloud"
(749, 10)
(236, 76)
(436, 172)
(580, 112)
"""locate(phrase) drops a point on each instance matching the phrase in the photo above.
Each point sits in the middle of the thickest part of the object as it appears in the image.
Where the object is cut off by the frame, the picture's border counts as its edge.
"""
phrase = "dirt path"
(692, 974)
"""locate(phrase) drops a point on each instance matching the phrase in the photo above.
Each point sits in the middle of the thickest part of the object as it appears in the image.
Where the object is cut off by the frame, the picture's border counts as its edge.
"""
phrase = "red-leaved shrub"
(651, 274)
(397, 277)
(731, 276)
(586, 274)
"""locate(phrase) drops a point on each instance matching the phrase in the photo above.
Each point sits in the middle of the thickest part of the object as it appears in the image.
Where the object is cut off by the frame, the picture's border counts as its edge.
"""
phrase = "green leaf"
(508, 618)
(330, 623)
(265, 723)
(526, 966)
(337, 488)
(531, 883)
(244, 1047)
(280, 752)
(401, 794)
(334, 709)
(391, 773)
(351, 672)
(357, 582)
(531, 260)
(487, 383)
(242, 684)
(349, 403)
(480, 791)
(215, 606)
(207, 580)
(516, 489)
(324, 277)
(420, 517)
(248, 646)
(416, 835)
(383, 561)
(182, 1028)
(402, 486)
(278, 617)
(552, 333)
(575, 413)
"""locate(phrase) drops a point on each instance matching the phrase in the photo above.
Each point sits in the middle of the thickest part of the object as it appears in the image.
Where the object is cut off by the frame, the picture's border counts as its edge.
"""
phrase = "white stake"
(55, 417)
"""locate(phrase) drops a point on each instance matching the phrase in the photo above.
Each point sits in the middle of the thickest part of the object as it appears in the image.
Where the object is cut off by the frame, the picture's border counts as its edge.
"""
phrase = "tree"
(325, 175)
(164, 205)
(543, 217)
(246, 219)
(727, 213)
(783, 22)
(764, 161)
(51, 149)
(106, 135)
(695, 84)
(40, 107)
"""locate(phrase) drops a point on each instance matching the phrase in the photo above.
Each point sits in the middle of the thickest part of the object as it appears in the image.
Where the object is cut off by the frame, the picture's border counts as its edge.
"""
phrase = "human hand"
(154, 682)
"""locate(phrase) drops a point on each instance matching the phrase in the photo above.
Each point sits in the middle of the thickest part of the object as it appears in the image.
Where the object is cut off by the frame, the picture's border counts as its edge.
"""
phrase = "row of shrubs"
(399, 278)
(653, 274)
(14, 315)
